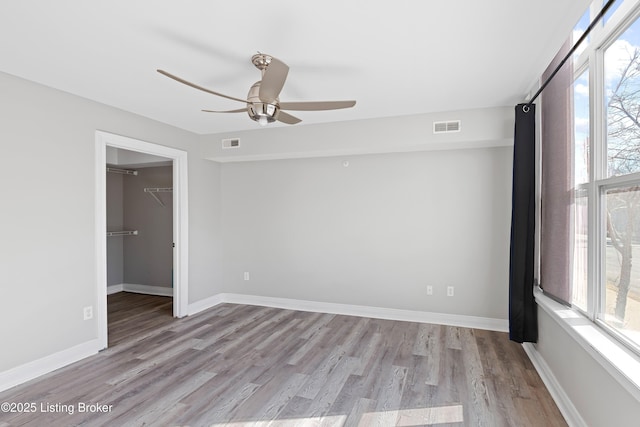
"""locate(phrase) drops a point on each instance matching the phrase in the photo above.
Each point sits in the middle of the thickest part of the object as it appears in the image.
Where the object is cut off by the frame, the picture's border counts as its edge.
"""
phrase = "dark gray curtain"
(523, 319)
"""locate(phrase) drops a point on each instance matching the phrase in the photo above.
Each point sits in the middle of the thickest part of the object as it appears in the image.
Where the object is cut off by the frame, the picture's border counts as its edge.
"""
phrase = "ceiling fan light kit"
(267, 114)
(263, 103)
(262, 112)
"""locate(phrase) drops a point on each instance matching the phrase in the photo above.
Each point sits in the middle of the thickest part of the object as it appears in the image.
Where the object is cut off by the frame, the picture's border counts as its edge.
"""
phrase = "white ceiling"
(394, 57)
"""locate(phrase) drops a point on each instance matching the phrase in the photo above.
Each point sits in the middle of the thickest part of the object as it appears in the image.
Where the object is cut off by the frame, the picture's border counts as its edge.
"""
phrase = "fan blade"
(287, 118)
(273, 80)
(193, 85)
(239, 110)
(316, 106)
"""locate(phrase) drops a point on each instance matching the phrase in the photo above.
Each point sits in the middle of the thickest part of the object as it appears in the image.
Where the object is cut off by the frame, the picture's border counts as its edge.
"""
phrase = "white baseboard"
(205, 304)
(140, 289)
(501, 325)
(566, 407)
(36, 368)
(114, 289)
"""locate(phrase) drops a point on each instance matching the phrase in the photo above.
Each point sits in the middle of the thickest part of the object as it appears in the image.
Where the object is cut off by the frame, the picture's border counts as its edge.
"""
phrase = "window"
(605, 177)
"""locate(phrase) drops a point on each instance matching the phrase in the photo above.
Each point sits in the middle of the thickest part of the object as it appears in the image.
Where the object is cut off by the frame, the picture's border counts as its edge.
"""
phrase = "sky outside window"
(581, 128)
(611, 10)
(578, 31)
(622, 100)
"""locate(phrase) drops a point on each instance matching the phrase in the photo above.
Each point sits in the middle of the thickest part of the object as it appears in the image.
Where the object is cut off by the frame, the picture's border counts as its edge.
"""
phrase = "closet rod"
(122, 171)
(158, 189)
(122, 233)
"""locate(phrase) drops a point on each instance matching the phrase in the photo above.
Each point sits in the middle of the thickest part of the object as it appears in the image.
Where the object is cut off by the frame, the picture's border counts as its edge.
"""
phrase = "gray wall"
(145, 259)
(115, 222)
(148, 257)
(47, 258)
(485, 127)
(599, 398)
(374, 233)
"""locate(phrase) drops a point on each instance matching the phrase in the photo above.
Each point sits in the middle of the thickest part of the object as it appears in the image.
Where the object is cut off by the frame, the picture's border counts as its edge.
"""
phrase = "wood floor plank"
(319, 376)
(407, 335)
(357, 414)
(368, 354)
(228, 403)
(240, 365)
(479, 402)
(322, 402)
(162, 405)
(268, 402)
(308, 345)
(388, 399)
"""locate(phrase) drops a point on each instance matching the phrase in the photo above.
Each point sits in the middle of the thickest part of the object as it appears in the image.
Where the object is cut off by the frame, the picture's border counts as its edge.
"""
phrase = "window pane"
(622, 90)
(580, 154)
(581, 129)
(580, 259)
(612, 9)
(578, 31)
(622, 274)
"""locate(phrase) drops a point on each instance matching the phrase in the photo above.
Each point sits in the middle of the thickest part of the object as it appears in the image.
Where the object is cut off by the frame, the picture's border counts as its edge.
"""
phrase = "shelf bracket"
(153, 190)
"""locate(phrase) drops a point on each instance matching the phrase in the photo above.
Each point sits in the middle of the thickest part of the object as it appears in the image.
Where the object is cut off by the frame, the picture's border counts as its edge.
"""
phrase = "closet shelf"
(153, 190)
(122, 233)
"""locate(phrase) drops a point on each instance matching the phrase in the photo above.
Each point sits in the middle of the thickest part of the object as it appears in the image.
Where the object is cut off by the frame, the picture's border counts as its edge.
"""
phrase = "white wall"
(47, 256)
(374, 233)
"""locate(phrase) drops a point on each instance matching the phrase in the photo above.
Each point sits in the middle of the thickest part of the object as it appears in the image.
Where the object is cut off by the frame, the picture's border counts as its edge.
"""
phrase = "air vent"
(231, 143)
(445, 127)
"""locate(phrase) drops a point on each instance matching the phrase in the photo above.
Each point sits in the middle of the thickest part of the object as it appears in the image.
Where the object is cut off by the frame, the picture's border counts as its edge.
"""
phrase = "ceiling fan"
(262, 103)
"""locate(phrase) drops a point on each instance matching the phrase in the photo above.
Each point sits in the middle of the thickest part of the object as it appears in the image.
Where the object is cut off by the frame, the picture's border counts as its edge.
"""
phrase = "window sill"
(614, 357)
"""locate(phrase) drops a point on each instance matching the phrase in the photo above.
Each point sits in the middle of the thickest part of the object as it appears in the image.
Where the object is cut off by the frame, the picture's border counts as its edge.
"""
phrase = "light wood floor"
(236, 365)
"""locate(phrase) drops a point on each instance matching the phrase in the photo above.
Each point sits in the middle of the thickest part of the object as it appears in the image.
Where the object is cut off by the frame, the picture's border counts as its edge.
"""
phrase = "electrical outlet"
(449, 291)
(87, 313)
(429, 290)
(246, 275)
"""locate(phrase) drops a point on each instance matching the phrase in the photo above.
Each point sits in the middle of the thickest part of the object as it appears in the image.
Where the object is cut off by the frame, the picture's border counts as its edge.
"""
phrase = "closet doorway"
(141, 204)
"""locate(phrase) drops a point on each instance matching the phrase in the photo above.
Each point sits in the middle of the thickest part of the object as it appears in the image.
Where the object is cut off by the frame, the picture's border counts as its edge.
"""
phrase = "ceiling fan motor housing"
(261, 112)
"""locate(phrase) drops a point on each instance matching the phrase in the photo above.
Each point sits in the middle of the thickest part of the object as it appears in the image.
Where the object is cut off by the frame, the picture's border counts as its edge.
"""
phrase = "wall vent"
(445, 127)
(231, 143)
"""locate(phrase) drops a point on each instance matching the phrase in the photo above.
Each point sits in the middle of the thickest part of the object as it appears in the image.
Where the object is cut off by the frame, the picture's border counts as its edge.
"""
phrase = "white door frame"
(180, 222)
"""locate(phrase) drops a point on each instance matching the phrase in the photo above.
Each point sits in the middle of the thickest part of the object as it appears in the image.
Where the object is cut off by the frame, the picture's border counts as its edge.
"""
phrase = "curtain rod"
(573, 49)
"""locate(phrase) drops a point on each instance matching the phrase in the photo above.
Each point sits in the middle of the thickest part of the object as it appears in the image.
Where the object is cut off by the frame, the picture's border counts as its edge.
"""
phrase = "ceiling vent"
(446, 127)
(231, 143)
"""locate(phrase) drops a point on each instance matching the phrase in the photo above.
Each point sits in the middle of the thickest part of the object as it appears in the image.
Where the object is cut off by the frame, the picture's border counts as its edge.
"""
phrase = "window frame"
(591, 59)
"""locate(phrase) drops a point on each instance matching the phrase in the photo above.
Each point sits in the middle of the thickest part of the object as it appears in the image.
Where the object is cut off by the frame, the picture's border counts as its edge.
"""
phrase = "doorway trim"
(180, 223)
